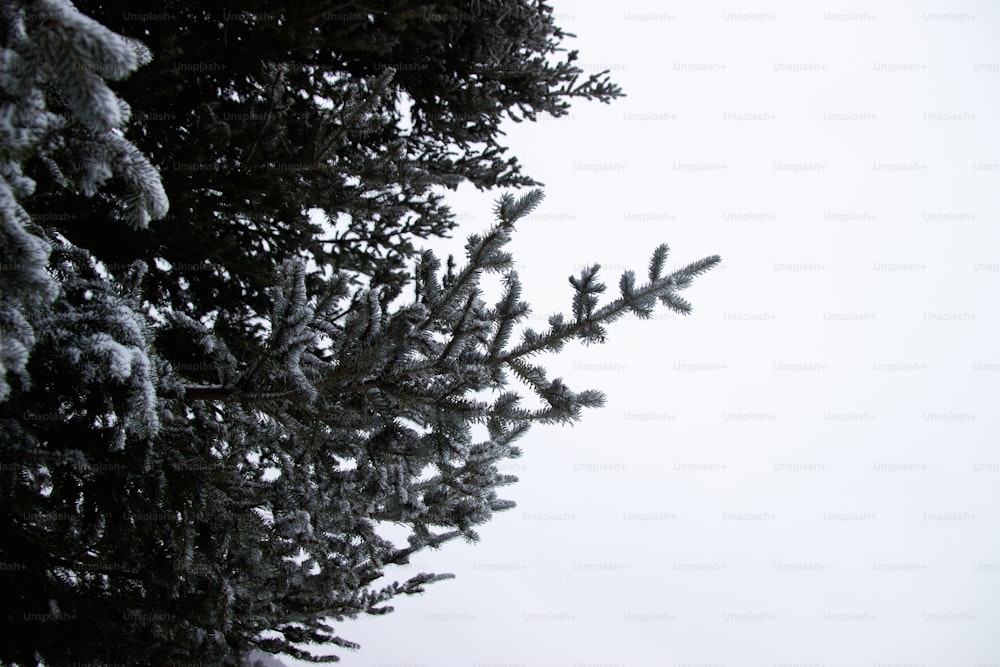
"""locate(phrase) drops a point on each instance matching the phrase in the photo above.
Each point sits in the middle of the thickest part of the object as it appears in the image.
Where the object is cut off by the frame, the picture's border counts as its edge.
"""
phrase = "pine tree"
(63, 328)
(184, 481)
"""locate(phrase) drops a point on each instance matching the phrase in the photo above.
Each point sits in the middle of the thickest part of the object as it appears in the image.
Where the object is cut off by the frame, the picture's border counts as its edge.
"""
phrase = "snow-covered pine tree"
(76, 374)
(58, 115)
(193, 466)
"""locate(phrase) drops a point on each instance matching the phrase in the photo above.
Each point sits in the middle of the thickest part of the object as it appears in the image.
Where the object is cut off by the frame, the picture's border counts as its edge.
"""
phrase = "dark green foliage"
(259, 113)
(205, 424)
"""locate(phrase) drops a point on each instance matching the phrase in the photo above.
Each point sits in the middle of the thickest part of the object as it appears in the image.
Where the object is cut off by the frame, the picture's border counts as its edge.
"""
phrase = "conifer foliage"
(56, 108)
(262, 113)
(183, 480)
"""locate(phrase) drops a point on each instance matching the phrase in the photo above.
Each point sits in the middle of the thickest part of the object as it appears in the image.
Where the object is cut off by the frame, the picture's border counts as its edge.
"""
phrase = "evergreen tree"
(73, 351)
(177, 486)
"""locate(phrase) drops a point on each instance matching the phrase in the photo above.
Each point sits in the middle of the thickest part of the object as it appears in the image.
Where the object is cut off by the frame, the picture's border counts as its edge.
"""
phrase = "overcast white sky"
(806, 471)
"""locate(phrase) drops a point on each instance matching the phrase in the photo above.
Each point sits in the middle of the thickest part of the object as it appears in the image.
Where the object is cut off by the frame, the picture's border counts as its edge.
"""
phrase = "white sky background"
(883, 546)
